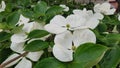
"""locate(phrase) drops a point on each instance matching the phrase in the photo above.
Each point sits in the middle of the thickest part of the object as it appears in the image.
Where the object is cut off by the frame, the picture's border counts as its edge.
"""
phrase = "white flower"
(18, 40)
(59, 24)
(119, 17)
(81, 20)
(17, 45)
(104, 8)
(88, 14)
(2, 6)
(32, 26)
(67, 42)
(22, 20)
(64, 7)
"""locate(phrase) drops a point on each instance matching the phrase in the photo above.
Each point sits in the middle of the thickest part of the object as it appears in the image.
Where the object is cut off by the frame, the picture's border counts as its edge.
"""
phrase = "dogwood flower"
(60, 24)
(23, 20)
(2, 6)
(67, 42)
(64, 7)
(18, 40)
(104, 8)
(88, 14)
(92, 19)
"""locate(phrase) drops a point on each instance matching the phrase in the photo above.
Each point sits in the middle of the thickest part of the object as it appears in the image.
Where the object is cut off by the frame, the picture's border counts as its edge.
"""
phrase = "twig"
(8, 62)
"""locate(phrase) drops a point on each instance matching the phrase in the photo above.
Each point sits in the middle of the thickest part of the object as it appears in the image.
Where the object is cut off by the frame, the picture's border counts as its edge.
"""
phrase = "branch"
(10, 61)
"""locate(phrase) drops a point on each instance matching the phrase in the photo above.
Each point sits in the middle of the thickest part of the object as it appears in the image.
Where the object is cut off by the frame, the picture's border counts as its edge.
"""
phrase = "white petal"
(83, 13)
(77, 11)
(34, 56)
(11, 57)
(24, 63)
(55, 29)
(64, 7)
(37, 25)
(92, 23)
(62, 54)
(110, 12)
(105, 6)
(97, 8)
(17, 47)
(58, 20)
(18, 38)
(3, 6)
(98, 16)
(75, 21)
(64, 39)
(28, 27)
(23, 20)
(83, 36)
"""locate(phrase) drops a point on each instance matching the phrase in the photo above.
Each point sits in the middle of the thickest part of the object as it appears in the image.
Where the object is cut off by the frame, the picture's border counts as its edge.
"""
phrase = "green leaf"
(36, 45)
(112, 58)
(111, 19)
(49, 63)
(4, 54)
(40, 9)
(4, 36)
(54, 10)
(112, 39)
(103, 26)
(17, 29)
(28, 13)
(13, 19)
(87, 55)
(37, 34)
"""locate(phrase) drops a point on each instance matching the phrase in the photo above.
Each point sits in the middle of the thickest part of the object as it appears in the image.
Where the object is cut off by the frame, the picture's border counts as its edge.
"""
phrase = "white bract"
(104, 8)
(2, 6)
(67, 42)
(60, 24)
(64, 7)
(22, 20)
(88, 14)
(92, 19)
(80, 20)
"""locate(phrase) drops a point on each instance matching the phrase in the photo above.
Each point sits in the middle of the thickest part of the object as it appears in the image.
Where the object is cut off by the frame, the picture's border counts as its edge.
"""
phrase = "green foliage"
(104, 54)
(49, 63)
(4, 36)
(37, 34)
(40, 9)
(87, 55)
(13, 19)
(112, 58)
(112, 19)
(54, 10)
(36, 45)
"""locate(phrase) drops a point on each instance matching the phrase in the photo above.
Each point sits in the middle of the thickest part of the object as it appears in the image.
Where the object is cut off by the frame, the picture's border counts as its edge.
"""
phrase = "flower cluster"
(18, 40)
(70, 31)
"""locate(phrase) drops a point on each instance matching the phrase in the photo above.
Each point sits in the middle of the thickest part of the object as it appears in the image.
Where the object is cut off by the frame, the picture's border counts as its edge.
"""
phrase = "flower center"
(67, 26)
(74, 48)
